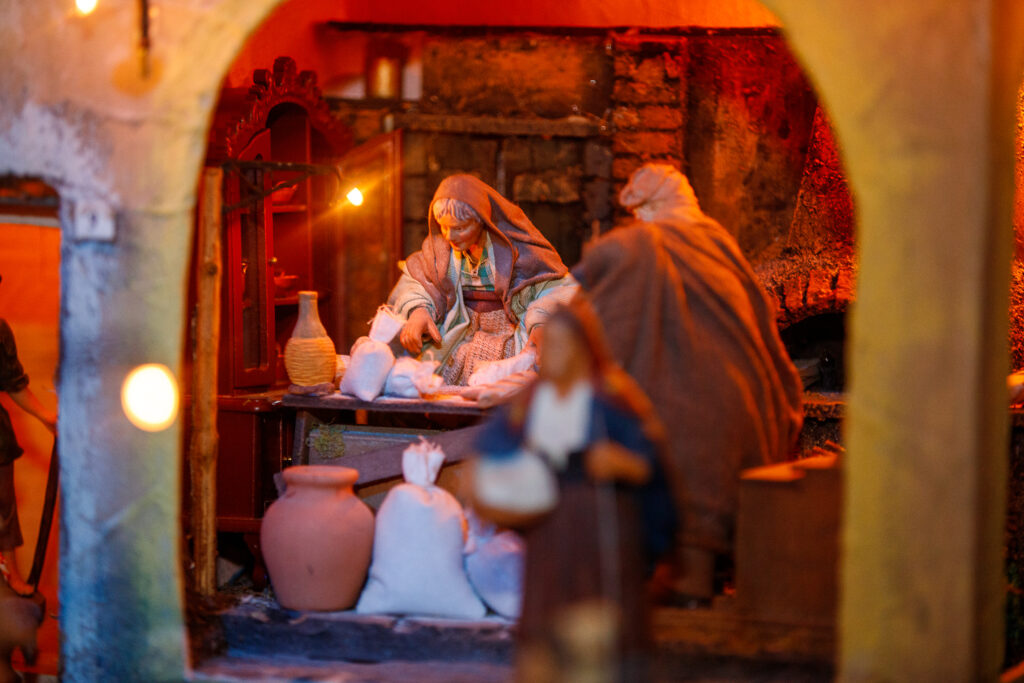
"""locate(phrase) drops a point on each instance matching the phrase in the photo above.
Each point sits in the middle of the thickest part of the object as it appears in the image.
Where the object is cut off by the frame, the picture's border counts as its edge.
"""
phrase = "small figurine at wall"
(14, 381)
(689, 321)
(588, 552)
(482, 284)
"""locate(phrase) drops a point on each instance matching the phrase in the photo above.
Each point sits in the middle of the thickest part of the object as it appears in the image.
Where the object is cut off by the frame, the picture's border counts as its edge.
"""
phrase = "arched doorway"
(749, 108)
(30, 243)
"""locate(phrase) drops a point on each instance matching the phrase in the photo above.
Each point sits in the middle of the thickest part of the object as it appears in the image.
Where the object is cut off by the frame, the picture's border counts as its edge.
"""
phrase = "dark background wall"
(557, 120)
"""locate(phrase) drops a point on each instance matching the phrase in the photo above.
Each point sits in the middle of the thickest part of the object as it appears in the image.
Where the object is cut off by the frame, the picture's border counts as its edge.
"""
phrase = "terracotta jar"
(309, 356)
(317, 539)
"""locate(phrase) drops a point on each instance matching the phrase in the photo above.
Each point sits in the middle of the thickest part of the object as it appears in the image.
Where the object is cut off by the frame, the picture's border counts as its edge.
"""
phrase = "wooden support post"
(203, 447)
(304, 424)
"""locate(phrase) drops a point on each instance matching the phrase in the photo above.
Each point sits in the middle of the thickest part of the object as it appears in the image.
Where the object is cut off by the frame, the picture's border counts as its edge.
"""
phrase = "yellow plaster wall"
(910, 88)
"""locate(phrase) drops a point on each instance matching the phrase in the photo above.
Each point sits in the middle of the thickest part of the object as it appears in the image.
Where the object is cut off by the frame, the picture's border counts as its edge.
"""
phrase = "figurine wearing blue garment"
(585, 435)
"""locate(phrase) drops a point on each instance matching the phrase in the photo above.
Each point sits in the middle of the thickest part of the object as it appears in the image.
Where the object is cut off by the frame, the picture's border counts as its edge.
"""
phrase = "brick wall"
(558, 122)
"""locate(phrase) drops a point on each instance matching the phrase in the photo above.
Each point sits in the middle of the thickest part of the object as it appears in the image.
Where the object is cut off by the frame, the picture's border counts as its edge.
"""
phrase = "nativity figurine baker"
(481, 286)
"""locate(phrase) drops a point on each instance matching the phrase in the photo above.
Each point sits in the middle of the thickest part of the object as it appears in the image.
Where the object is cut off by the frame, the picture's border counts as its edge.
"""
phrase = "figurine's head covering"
(580, 317)
(660, 192)
(522, 255)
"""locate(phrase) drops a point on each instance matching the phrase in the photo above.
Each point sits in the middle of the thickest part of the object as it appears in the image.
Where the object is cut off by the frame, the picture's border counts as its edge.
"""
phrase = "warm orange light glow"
(149, 397)
(355, 197)
(85, 6)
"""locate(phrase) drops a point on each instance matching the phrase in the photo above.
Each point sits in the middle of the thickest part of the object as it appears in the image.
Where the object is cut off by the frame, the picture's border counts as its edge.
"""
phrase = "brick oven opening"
(817, 347)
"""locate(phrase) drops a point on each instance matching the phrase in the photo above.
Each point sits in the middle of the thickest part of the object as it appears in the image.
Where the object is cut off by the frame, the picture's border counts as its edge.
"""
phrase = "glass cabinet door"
(253, 356)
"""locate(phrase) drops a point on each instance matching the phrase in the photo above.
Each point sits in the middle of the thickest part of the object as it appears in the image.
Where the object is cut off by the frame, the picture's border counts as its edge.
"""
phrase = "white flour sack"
(495, 566)
(411, 378)
(367, 369)
(497, 370)
(418, 545)
(385, 325)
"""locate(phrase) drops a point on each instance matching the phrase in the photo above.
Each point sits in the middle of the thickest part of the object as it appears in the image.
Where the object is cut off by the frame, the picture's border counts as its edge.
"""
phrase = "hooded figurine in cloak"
(687, 318)
(483, 283)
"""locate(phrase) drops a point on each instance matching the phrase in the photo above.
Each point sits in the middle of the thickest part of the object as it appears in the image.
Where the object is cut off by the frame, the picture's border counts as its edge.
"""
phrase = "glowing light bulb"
(149, 397)
(85, 6)
(355, 197)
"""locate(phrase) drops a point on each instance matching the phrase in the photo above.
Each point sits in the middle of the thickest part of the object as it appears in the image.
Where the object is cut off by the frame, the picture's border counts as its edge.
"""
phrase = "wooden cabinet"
(288, 227)
(306, 235)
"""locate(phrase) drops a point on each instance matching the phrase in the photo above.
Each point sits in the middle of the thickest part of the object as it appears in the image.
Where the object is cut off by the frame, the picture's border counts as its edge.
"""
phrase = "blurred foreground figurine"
(482, 283)
(689, 321)
(575, 460)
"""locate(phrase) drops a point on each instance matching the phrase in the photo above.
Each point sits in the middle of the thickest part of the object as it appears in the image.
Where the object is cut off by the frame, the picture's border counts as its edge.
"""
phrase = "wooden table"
(385, 462)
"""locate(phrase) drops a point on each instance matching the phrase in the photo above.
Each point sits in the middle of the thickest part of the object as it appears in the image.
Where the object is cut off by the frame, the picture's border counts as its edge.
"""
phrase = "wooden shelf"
(289, 208)
(568, 127)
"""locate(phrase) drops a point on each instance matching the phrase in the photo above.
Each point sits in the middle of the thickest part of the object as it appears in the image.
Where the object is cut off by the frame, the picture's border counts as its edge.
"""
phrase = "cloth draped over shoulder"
(686, 317)
(522, 255)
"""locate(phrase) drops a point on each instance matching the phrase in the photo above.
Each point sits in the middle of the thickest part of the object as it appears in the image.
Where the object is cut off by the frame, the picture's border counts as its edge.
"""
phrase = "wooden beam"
(203, 447)
(571, 127)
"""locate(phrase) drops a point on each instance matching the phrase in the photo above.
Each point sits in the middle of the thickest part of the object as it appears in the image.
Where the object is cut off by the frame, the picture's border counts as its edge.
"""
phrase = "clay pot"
(309, 356)
(317, 539)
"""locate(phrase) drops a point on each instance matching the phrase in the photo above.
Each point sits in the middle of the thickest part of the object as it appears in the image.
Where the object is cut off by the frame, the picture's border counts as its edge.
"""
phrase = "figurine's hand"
(607, 461)
(418, 324)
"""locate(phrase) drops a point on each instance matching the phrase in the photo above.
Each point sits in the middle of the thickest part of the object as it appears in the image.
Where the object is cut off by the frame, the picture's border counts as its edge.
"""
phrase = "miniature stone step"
(259, 626)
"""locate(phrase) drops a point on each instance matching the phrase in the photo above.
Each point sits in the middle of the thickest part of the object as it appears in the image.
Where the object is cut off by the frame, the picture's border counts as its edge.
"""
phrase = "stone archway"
(922, 97)
(77, 113)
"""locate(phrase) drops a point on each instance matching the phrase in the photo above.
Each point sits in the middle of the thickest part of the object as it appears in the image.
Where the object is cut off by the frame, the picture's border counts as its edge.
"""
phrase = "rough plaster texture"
(76, 112)
(749, 121)
(735, 111)
(910, 86)
(310, 42)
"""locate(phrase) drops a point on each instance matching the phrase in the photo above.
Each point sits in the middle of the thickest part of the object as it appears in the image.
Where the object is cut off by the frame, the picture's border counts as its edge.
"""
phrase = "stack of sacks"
(411, 378)
(418, 546)
(497, 381)
(371, 358)
(372, 370)
(494, 371)
(368, 368)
